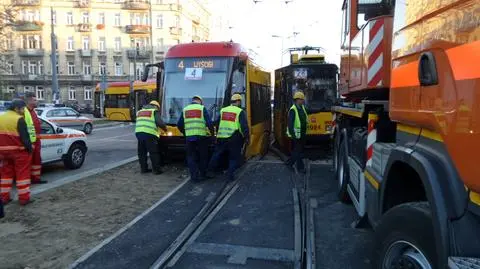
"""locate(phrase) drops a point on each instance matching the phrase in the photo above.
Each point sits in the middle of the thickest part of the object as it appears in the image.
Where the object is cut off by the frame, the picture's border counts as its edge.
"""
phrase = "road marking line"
(126, 227)
(106, 138)
(239, 254)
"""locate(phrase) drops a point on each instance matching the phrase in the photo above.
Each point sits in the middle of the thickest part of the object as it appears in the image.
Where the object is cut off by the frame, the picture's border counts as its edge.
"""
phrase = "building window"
(177, 21)
(72, 93)
(87, 93)
(160, 44)
(87, 68)
(9, 68)
(159, 21)
(85, 17)
(27, 89)
(30, 15)
(159, 2)
(101, 44)
(40, 93)
(70, 43)
(32, 67)
(41, 68)
(8, 43)
(24, 67)
(103, 68)
(54, 17)
(118, 1)
(101, 18)
(118, 44)
(11, 89)
(86, 43)
(31, 42)
(118, 69)
(69, 18)
(71, 68)
(117, 19)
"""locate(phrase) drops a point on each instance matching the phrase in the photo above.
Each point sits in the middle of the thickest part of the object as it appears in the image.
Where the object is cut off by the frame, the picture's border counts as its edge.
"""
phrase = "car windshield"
(187, 77)
(39, 111)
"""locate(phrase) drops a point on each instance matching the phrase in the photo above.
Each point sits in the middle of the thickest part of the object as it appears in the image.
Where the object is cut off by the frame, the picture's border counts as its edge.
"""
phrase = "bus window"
(116, 101)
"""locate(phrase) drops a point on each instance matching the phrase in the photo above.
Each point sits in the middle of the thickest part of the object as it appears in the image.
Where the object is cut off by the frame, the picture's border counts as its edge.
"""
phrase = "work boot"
(145, 171)
(24, 203)
(40, 181)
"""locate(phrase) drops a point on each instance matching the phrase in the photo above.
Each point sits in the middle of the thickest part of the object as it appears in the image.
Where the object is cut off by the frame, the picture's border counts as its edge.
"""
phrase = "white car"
(62, 144)
(66, 117)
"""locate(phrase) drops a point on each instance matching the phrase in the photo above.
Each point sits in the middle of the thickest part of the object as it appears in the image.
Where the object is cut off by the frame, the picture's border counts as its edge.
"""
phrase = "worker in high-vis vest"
(194, 123)
(232, 134)
(34, 127)
(148, 123)
(297, 130)
(15, 152)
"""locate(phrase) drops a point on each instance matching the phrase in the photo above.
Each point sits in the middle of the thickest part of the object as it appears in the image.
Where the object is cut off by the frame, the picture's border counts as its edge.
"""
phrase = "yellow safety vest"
(146, 122)
(9, 136)
(194, 120)
(30, 125)
(296, 125)
(229, 121)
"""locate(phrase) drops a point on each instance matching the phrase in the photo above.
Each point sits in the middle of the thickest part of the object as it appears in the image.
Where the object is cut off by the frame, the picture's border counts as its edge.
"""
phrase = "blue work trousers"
(297, 153)
(233, 146)
(197, 157)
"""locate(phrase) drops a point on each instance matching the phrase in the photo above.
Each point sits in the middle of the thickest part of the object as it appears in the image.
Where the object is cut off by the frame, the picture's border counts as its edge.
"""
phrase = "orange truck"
(406, 134)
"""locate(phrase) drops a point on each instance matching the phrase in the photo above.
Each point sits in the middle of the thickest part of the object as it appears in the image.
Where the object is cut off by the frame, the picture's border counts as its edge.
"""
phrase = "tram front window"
(209, 83)
(320, 95)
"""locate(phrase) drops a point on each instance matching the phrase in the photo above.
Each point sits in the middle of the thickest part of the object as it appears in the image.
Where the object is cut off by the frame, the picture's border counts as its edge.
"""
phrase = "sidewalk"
(64, 223)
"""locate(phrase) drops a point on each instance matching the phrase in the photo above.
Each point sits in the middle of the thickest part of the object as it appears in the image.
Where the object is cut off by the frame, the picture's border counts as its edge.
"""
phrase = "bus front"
(207, 76)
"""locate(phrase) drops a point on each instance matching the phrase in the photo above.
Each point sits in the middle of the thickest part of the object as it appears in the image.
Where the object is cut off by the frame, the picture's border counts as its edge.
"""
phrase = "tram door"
(141, 99)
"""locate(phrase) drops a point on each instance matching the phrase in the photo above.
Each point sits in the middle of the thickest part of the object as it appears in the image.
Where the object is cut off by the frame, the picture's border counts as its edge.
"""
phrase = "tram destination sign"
(206, 64)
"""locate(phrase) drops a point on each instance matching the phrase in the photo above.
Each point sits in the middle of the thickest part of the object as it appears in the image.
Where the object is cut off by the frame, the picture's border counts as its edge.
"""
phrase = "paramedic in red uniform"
(31, 101)
(15, 150)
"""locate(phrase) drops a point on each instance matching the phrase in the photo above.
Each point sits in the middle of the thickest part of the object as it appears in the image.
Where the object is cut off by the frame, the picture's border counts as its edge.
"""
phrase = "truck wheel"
(336, 142)
(75, 156)
(343, 173)
(87, 129)
(406, 244)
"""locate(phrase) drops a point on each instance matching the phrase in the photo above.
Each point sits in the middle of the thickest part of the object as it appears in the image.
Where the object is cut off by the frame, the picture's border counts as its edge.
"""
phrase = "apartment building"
(94, 38)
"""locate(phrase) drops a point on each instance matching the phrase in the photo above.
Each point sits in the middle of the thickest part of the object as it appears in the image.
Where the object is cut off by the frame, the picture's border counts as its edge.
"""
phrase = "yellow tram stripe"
(372, 180)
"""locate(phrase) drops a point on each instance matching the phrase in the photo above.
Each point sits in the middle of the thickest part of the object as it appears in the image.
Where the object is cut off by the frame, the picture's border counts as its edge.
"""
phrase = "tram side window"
(116, 101)
(259, 103)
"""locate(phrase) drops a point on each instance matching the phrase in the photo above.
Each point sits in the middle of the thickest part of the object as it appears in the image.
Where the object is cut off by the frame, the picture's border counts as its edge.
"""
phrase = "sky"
(317, 22)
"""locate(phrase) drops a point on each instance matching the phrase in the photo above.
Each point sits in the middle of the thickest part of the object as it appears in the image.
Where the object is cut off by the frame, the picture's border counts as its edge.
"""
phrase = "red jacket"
(36, 121)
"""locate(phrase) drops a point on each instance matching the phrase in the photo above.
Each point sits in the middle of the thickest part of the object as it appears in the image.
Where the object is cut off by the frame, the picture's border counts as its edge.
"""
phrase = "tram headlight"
(169, 133)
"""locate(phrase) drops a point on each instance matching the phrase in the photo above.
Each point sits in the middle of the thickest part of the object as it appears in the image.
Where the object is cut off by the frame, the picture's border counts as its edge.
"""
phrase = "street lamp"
(283, 41)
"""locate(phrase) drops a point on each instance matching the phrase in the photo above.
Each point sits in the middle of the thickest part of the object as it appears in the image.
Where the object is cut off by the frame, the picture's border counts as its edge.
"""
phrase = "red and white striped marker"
(374, 52)
(371, 137)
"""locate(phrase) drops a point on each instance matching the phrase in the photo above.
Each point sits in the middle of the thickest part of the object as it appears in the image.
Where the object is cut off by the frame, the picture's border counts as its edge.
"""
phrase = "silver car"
(66, 117)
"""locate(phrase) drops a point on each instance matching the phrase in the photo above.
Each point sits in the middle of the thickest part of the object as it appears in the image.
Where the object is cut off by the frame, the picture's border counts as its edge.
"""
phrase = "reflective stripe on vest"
(296, 125)
(145, 122)
(30, 125)
(194, 120)
(229, 121)
(9, 136)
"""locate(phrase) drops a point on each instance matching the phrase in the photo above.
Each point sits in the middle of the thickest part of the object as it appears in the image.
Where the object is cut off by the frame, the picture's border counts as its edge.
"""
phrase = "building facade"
(94, 38)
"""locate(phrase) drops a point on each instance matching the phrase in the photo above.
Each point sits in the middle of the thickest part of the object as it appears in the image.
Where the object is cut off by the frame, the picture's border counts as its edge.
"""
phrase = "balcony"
(84, 27)
(141, 54)
(87, 77)
(133, 5)
(176, 31)
(28, 26)
(137, 29)
(82, 4)
(31, 52)
(196, 38)
(169, 7)
(26, 3)
(86, 53)
(196, 19)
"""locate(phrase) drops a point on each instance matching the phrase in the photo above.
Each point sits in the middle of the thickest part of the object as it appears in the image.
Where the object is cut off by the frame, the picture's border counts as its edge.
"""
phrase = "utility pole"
(53, 56)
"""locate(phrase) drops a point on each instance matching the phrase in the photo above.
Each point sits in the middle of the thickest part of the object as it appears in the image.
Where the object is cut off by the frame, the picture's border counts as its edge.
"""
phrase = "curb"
(79, 176)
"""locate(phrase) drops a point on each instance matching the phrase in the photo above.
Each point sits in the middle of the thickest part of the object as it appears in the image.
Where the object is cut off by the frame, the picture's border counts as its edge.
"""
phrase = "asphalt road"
(105, 146)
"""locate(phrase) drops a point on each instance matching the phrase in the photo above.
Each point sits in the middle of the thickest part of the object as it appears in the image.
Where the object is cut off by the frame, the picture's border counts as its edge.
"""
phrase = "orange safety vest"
(9, 136)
